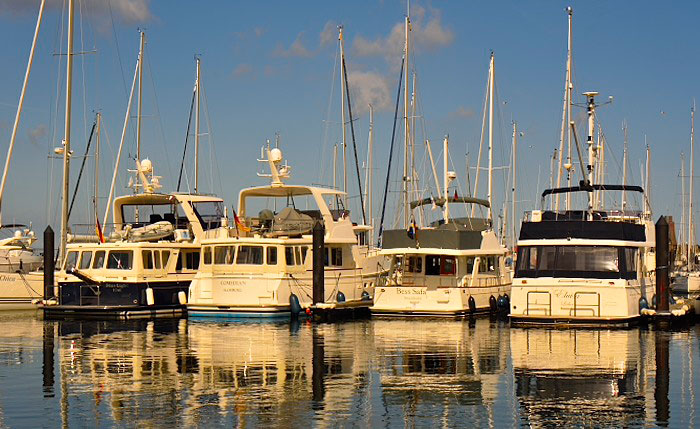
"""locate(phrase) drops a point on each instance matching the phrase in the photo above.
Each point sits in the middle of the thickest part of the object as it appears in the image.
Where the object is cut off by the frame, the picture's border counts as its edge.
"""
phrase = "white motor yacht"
(263, 266)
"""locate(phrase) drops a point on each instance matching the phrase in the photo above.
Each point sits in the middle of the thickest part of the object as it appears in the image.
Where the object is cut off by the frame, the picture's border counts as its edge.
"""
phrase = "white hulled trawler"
(452, 267)
(585, 266)
(143, 267)
(263, 265)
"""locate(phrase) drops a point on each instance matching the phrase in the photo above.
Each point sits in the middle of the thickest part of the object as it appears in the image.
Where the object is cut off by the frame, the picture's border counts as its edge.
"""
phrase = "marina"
(361, 373)
(307, 255)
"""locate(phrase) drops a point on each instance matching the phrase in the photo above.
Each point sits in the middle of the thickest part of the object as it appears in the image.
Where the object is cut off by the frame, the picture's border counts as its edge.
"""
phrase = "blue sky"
(268, 68)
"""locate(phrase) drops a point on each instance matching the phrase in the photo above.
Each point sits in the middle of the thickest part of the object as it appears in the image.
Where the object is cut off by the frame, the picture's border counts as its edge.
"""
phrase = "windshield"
(140, 215)
(209, 213)
(605, 262)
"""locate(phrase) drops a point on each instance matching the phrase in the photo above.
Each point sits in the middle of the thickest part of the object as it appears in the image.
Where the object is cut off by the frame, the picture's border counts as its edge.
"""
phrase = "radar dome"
(146, 165)
(275, 155)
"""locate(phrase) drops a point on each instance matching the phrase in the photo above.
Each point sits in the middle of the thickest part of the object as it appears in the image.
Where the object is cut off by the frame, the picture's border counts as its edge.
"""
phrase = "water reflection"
(364, 373)
(595, 377)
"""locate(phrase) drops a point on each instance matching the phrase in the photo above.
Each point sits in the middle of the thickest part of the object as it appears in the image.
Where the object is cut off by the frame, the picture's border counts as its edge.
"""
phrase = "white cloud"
(126, 10)
(242, 70)
(428, 33)
(37, 133)
(462, 112)
(329, 34)
(296, 49)
(369, 88)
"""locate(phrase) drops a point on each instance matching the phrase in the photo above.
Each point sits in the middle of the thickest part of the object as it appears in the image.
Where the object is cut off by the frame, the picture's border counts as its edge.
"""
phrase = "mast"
(569, 98)
(590, 96)
(66, 136)
(446, 179)
(624, 166)
(196, 132)
(127, 115)
(335, 165)
(682, 228)
(140, 96)
(96, 191)
(515, 157)
(690, 189)
(566, 117)
(647, 185)
(342, 114)
(15, 127)
(490, 193)
(368, 180)
(406, 202)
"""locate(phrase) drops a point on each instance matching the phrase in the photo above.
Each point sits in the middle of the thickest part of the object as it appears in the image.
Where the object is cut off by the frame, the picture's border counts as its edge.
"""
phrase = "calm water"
(379, 373)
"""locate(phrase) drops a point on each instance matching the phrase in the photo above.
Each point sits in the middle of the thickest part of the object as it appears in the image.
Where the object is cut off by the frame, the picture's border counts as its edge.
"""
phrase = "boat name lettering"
(7, 279)
(563, 294)
(410, 291)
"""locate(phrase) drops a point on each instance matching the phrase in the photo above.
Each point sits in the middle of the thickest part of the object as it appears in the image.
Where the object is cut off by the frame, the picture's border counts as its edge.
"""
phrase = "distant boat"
(21, 278)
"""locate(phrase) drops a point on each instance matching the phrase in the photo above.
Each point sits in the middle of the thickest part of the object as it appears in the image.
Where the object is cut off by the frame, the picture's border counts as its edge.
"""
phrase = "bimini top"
(584, 187)
(282, 191)
(459, 234)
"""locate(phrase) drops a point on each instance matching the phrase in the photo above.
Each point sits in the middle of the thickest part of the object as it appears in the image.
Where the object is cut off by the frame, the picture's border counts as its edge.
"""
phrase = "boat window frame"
(250, 258)
(269, 252)
(82, 258)
(206, 255)
(67, 264)
(103, 255)
(553, 270)
(130, 259)
(147, 259)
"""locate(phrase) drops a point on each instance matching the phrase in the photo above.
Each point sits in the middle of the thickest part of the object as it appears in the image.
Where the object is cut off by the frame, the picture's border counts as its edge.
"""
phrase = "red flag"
(239, 224)
(100, 236)
(456, 194)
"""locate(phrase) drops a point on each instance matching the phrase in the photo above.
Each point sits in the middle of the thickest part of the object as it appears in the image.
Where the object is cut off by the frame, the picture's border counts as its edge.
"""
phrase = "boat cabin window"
(71, 260)
(85, 259)
(147, 258)
(440, 265)
(271, 255)
(488, 264)
(289, 255)
(209, 213)
(207, 255)
(166, 257)
(99, 261)
(414, 264)
(336, 256)
(605, 262)
(251, 255)
(304, 251)
(156, 259)
(139, 215)
(223, 255)
(120, 259)
(187, 260)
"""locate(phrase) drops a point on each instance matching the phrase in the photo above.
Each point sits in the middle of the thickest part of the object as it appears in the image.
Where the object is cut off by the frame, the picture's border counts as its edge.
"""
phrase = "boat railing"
(610, 215)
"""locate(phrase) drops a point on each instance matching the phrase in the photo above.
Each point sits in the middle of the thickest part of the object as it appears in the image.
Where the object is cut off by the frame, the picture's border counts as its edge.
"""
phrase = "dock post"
(662, 265)
(49, 262)
(319, 253)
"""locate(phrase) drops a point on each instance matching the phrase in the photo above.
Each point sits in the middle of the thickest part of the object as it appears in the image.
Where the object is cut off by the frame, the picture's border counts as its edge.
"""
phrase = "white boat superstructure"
(452, 267)
(587, 266)
(144, 265)
(263, 266)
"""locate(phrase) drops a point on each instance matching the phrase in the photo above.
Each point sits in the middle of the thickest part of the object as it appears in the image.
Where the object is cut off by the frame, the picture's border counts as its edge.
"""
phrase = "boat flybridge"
(263, 267)
(452, 267)
(21, 275)
(587, 266)
(144, 265)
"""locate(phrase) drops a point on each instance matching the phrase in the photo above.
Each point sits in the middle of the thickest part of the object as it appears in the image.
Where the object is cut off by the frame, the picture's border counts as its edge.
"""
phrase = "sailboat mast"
(140, 97)
(368, 174)
(196, 132)
(490, 193)
(569, 100)
(96, 192)
(590, 96)
(342, 112)
(406, 202)
(647, 184)
(66, 136)
(446, 180)
(565, 117)
(682, 228)
(15, 127)
(624, 166)
(513, 190)
(690, 188)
